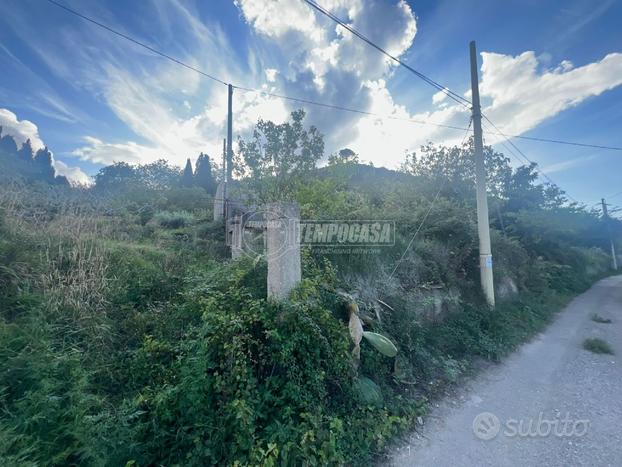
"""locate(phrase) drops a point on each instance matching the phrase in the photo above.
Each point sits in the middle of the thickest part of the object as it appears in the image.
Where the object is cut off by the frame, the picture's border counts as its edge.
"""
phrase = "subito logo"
(486, 426)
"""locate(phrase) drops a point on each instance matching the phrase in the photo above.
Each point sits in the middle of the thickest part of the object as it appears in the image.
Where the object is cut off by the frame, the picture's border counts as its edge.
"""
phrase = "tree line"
(24, 162)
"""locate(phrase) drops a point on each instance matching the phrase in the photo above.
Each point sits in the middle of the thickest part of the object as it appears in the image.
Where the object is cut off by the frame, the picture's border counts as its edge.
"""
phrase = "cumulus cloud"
(521, 97)
(518, 92)
(323, 62)
(20, 130)
(439, 97)
(175, 114)
(516, 96)
(75, 175)
(279, 17)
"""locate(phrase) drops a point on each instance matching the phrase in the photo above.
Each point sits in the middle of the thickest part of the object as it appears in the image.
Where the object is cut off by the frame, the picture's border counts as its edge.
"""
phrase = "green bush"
(174, 220)
(127, 339)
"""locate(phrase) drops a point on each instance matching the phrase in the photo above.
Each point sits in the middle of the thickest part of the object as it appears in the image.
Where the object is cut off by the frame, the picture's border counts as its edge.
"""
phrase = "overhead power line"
(571, 143)
(456, 97)
(315, 103)
(522, 154)
(429, 210)
(348, 109)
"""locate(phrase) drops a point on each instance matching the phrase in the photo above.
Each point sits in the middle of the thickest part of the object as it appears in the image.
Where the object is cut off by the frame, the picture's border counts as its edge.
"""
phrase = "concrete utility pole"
(230, 134)
(483, 227)
(224, 180)
(614, 260)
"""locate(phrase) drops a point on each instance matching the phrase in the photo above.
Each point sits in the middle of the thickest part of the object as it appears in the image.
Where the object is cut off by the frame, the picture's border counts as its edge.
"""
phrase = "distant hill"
(366, 177)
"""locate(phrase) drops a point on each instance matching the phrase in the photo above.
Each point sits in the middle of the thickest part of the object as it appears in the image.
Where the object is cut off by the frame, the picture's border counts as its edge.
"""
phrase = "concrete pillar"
(219, 202)
(237, 236)
(282, 248)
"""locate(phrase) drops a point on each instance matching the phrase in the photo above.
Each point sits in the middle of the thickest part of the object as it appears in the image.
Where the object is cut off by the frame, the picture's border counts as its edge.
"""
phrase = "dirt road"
(551, 403)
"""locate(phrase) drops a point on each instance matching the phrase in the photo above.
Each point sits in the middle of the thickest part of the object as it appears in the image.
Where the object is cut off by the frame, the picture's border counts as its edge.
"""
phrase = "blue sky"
(548, 69)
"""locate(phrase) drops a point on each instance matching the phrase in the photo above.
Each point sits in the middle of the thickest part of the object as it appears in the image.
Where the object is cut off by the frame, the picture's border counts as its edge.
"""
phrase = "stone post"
(237, 236)
(219, 202)
(282, 248)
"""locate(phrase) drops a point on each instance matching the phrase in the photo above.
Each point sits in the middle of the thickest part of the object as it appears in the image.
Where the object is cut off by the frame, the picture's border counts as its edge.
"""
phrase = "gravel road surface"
(551, 403)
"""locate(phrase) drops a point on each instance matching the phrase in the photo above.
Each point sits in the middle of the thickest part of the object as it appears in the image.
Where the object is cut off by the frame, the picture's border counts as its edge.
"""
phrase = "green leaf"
(368, 391)
(381, 343)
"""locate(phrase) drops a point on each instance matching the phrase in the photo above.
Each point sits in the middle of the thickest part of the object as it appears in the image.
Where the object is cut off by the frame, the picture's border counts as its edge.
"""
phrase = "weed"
(599, 319)
(597, 345)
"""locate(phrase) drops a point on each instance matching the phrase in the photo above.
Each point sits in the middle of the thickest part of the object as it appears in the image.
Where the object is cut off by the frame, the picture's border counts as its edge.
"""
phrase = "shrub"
(174, 220)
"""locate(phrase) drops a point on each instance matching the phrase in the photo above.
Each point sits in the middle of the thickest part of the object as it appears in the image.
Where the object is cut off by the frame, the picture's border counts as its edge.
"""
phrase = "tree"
(187, 177)
(43, 168)
(26, 153)
(456, 165)
(344, 156)
(158, 175)
(116, 177)
(203, 175)
(23, 163)
(279, 155)
(7, 144)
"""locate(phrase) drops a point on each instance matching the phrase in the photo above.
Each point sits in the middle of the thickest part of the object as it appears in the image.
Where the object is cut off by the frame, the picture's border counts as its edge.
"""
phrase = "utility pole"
(483, 227)
(230, 134)
(224, 179)
(614, 260)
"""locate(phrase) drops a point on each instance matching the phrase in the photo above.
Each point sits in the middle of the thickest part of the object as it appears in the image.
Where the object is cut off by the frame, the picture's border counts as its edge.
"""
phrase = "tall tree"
(279, 155)
(203, 175)
(26, 153)
(7, 144)
(43, 167)
(187, 177)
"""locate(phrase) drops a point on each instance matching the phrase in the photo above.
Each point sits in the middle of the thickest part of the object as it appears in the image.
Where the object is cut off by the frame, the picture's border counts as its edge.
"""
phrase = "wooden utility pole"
(230, 133)
(614, 260)
(483, 227)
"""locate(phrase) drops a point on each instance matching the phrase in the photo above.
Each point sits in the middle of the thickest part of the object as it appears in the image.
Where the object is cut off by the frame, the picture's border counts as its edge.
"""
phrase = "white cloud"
(521, 97)
(439, 97)
(271, 74)
(385, 141)
(169, 137)
(567, 164)
(323, 62)
(20, 130)
(175, 114)
(518, 99)
(75, 175)
(99, 152)
(278, 17)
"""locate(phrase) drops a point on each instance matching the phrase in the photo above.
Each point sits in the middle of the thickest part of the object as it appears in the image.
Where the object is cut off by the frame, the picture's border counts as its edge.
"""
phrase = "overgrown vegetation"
(128, 338)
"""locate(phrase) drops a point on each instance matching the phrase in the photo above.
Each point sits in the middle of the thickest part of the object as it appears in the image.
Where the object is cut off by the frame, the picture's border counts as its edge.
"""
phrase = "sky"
(547, 69)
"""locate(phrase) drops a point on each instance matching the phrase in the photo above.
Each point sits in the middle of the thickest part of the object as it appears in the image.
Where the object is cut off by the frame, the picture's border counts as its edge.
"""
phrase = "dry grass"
(72, 256)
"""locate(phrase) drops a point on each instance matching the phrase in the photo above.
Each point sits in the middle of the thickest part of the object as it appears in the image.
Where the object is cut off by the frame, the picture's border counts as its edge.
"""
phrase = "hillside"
(129, 337)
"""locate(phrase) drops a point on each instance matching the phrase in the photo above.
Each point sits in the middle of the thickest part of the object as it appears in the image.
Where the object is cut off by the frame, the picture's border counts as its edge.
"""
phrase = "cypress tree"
(203, 176)
(187, 179)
